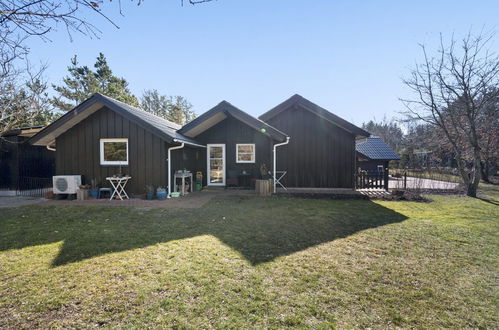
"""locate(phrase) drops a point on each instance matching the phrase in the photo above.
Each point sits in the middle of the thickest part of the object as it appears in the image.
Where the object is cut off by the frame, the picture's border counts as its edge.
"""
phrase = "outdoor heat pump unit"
(66, 184)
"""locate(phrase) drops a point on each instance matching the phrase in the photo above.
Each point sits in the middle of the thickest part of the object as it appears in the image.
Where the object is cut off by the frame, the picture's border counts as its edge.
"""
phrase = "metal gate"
(34, 187)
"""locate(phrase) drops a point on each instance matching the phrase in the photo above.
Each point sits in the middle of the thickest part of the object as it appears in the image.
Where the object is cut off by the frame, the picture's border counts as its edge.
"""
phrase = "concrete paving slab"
(17, 201)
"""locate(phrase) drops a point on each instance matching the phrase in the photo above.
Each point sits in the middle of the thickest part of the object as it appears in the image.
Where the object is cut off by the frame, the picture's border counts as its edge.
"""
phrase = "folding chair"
(278, 178)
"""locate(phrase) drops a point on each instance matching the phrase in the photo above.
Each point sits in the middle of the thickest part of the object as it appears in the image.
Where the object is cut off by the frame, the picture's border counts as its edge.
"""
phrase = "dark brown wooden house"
(235, 143)
(102, 137)
(321, 151)
(84, 139)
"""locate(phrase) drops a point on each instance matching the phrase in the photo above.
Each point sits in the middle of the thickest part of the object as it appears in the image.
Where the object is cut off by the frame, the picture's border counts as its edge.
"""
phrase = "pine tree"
(82, 82)
(173, 108)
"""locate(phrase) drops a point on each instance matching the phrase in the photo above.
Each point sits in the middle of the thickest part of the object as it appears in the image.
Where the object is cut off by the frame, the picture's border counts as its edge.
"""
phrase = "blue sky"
(347, 56)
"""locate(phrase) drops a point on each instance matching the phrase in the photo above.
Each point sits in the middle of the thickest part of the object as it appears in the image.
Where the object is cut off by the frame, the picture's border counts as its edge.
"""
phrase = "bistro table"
(119, 184)
(244, 179)
(183, 176)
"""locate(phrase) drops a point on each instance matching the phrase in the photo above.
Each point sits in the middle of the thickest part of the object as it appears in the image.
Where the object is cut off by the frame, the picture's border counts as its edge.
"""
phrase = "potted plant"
(161, 193)
(82, 192)
(94, 189)
(264, 172)
(149, 192)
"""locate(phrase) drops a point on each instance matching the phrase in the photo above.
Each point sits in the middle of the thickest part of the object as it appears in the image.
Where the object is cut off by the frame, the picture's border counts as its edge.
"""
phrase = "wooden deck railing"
(374, 180)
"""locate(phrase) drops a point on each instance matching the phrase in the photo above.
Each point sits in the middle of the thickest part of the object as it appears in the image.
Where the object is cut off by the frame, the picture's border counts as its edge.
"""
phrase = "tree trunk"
(472, 184)
(484, 168)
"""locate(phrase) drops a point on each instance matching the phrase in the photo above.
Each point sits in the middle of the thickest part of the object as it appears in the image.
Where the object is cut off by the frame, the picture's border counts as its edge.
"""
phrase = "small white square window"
(245, 153)
(114, 151)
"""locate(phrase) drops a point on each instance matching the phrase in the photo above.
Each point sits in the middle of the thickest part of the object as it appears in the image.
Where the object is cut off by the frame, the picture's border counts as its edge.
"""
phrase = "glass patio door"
(216, 164)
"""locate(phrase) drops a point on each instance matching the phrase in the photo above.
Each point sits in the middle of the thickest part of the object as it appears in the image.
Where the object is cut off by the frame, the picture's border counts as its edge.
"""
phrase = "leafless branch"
(451, 91)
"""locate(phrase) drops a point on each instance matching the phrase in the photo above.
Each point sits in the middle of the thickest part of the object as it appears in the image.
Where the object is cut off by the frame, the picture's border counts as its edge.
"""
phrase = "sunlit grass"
(254, 262)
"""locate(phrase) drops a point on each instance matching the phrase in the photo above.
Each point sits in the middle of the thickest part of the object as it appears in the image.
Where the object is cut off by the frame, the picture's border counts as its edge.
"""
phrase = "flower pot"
(149, 196)
(94, 193)
(82, 194)
(161, 195)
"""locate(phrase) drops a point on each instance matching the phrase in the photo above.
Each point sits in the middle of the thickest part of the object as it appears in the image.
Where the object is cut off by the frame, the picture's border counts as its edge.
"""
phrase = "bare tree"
(22, 92)
(23, 98)
(451, 92)
(20, 19)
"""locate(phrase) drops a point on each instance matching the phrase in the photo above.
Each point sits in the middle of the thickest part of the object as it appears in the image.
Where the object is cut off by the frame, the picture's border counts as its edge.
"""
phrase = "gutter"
(189, 143)
(182, 144)
(170, 166)
(50, 148)
(275, 159)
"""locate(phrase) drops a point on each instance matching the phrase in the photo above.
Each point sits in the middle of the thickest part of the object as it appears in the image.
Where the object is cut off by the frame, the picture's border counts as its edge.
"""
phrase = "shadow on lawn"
(260, 229)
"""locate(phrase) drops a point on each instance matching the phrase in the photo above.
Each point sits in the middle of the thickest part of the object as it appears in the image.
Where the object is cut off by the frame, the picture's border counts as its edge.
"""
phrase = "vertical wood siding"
(319, 154)
(230, 132)
(78, 151)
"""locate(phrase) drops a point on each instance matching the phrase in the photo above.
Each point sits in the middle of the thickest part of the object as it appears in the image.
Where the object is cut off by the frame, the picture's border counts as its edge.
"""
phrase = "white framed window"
(114, 151)
(245, 153)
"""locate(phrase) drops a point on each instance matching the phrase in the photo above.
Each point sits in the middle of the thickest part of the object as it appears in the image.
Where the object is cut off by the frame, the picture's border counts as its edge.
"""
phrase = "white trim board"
(252, 161)
(115, 162)
(208, 179)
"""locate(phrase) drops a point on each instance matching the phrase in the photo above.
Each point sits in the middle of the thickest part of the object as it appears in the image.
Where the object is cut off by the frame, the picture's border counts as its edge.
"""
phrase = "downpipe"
(275, 160)
(170, 167)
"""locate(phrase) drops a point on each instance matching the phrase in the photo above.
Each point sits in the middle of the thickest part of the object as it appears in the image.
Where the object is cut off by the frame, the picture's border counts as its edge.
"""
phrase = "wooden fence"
(373, 180)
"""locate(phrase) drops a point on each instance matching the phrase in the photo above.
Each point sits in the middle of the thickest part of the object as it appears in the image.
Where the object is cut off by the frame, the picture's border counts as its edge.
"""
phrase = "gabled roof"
(375, 148)
(161, 127)
(219, 113)
(314, 108)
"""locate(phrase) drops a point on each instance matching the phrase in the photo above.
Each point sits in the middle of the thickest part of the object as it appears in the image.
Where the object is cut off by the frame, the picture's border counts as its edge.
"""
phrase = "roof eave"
(96, 102)
(229, 109)
(317, 110)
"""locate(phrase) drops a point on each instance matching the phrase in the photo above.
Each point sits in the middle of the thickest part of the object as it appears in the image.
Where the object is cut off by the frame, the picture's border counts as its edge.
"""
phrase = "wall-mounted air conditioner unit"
(66, 184)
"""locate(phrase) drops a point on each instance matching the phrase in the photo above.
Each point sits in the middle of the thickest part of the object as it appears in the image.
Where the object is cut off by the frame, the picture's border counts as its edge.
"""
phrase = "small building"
(102, 137)
(374, 155)
(22, 165)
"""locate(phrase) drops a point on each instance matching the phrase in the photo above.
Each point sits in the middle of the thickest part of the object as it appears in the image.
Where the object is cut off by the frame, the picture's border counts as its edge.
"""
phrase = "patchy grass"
(254, 262)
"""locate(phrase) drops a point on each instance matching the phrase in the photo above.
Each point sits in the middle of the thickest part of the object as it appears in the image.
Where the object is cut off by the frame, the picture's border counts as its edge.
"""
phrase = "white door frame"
(208, 169)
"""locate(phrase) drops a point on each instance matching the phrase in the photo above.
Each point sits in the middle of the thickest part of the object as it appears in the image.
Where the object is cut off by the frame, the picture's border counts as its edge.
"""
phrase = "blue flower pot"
(161, 195)
(149, 196)
(94, 193)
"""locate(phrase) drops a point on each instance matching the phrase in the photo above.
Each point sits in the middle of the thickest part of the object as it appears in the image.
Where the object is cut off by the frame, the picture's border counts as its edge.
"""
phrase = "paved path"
(192, 200)
(16, 201)
(420, 183)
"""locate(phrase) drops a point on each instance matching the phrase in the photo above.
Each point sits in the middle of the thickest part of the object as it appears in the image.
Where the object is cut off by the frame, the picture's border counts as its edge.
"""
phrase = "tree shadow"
(260, 229)
(490, 201)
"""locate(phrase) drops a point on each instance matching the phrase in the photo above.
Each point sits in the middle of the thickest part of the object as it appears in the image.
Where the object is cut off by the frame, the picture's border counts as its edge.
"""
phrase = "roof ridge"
(177, 126)
(258, 119)
(248, 119)
(317, 110)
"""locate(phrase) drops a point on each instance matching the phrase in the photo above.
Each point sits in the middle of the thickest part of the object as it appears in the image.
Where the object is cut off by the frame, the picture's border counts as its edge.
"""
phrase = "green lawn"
(254, 262)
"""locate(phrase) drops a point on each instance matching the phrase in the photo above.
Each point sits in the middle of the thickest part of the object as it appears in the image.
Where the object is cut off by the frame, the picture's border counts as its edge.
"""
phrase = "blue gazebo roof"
(375, 148)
